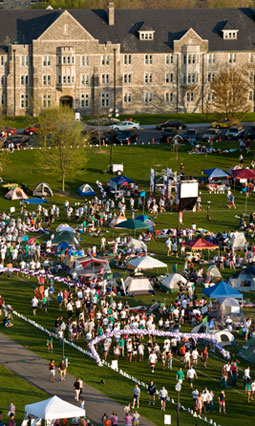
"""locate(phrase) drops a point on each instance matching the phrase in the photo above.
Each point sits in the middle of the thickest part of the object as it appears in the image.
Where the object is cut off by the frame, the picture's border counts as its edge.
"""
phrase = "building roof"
(22, 26)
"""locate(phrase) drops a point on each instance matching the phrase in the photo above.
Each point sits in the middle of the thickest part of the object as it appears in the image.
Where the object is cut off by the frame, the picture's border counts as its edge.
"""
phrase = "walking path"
(34, 369)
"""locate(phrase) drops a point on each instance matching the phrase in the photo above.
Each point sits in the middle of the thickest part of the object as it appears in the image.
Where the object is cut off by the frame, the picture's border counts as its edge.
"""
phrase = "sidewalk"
(34, 369)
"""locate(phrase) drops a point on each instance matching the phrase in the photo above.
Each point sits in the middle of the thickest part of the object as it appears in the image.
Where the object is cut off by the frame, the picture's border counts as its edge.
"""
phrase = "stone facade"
(66, 64)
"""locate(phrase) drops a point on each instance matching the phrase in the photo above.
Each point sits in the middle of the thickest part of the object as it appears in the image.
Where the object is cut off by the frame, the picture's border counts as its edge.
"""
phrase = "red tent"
(243, 174)
(200, 244)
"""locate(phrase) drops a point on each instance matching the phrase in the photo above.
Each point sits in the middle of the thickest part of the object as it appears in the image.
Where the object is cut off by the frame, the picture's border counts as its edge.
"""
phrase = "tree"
(60, 142)
(229, 92)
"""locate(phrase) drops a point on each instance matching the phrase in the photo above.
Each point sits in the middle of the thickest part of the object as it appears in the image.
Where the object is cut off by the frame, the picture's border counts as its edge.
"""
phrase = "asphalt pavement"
(34, 369)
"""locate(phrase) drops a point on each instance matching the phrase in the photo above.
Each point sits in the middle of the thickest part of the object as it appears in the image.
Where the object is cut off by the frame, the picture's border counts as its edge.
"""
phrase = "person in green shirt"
(122, 345)
(180, 375)
(50, 344)
(248, 390)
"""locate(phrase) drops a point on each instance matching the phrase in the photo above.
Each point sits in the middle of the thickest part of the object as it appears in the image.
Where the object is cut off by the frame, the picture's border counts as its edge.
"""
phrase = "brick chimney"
(111, 13)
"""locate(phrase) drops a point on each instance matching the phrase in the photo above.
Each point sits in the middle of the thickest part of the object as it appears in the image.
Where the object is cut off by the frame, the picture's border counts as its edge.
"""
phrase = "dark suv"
(127, 136)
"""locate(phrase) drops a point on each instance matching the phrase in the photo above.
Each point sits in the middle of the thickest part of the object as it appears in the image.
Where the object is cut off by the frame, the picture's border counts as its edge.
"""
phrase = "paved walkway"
(34, 369)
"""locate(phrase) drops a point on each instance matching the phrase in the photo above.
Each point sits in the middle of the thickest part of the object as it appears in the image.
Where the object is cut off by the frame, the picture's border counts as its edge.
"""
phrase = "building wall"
(66, 61)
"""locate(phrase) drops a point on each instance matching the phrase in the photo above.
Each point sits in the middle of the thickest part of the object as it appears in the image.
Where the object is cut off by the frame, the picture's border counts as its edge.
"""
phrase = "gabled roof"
(22, 26)
(229, 26)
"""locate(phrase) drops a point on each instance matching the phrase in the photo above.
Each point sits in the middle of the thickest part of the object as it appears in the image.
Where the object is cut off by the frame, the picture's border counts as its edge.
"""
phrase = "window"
(169, 78)
(251, 77)
(146, 35)
(84, 100)
(85, 60)
(2, 80)
(230, 34)
(148, 77)
(210, 76)
(127, 98)
(59, 60)
(24, 80)
(148, 59)
(192, 78)
(184, 59)
(105, 78)
(46, 101)
(2, 99)
(169, 59)
(105, 60)
(46, 79)
(23, 101)
(147, 98)
(105, 100)
(64, 60)
(46, 61)
(127, 59)
(169, 97)
(250, 95)
(84, 79)
(232, 58)
(211, 58)
(127, 78)
(210, 97)
(190, 97)
(192, 59)
(251, 57)
(2, 61)
(24, 61)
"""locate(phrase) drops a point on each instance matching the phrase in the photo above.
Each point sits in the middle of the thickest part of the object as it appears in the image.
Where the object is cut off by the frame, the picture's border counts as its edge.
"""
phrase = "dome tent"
(220, 334)
(237, 240)
(230, 307)
(138, 284)
(213, 273)
(43, 190)
(86, 190)
(137, 245)
(16, 193)
(67, 236)
(247, 351)
(244, 280)
(170, 282)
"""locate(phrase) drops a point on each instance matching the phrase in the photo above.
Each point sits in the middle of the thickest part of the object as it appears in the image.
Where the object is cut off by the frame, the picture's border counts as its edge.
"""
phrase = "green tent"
(248, 351)
(67, 237)
(133, 224)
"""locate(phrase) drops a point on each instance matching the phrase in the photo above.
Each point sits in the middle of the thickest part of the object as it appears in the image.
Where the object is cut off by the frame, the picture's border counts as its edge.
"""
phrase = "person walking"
(50, 343)
(128, 419)
(191, 374)
(152, 393)
(136, 396)
(163, 395)
(62, 370)
(222, 402)
(136, 418)
(52, 370)
(114, 419)
(77, 388)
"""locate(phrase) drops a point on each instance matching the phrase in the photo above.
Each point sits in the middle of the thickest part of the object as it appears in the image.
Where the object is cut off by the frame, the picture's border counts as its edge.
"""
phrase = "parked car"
(190, 134)
(125, 125)
(9, 131)
(107, 137)
(32, 130)
(251, 133)
(211, 134)
(171, 124)
(235, 132)
(221, 124)
(127, 135)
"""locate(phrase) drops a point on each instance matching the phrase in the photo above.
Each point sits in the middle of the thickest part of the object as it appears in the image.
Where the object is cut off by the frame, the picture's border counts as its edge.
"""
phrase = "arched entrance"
(66, 101)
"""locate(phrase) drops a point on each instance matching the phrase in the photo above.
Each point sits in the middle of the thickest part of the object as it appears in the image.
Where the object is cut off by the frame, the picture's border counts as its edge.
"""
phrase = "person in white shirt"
(153, 359)
(163, 395)
(191, 374)
(35, 303)
(195, 355)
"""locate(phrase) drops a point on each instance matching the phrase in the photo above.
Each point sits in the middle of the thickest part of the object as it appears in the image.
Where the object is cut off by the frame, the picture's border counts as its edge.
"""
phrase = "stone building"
(132, 60)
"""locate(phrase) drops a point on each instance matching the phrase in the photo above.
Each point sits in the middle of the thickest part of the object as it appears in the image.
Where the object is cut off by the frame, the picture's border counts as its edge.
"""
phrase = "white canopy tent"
(138, 284)
(145, 263)
(53, 408)
(237, 240)
(170, 282)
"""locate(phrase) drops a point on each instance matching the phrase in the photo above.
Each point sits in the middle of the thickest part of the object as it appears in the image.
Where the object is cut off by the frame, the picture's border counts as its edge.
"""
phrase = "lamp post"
(113, 112)
(208, 211)
(178, 388)
(63, 327)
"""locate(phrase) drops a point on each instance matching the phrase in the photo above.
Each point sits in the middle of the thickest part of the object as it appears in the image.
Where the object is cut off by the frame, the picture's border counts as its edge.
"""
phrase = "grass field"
(24, 168)
(19, 391)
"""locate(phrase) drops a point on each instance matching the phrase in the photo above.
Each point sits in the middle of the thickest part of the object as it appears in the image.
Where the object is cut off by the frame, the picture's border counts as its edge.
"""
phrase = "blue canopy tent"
(222, 290)
(118, 181)
(62, 246)
(216, 173)
(36, 201)
(86, 190)
(147, 220)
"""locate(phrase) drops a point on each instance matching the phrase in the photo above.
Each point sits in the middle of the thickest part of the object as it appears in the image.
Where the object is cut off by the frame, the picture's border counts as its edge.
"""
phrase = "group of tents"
(41, 190)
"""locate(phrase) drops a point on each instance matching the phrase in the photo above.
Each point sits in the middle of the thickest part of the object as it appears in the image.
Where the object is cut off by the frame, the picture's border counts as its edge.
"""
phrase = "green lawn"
(19, 391)
(23, 167)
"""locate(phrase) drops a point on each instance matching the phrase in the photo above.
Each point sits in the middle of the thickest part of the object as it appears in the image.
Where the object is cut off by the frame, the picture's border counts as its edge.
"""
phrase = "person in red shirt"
(107, 421)
(204, 356)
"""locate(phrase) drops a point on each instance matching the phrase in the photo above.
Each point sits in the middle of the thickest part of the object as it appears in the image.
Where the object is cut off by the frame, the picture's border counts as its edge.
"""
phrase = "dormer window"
(230, 34)
(146, 35)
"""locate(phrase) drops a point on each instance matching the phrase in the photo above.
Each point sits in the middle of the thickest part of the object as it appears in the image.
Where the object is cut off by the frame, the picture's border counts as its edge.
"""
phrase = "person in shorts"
(222, 402)
(152, 393)
(136, 396)
(153, 359)
(52, 370)
(163, 395)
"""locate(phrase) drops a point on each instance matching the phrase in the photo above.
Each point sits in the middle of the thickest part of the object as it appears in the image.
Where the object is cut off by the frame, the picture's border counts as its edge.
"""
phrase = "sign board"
(114, 364)
(167, 419)
(12, 209)
(77, 116)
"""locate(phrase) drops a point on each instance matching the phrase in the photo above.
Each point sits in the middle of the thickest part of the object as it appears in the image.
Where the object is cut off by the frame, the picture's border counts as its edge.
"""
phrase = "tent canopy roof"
(145, 262)
(216, 173)
(201, 244)
(133, 224)
(243, 174)
(54, 408)
(121, 180)
(222, 290)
